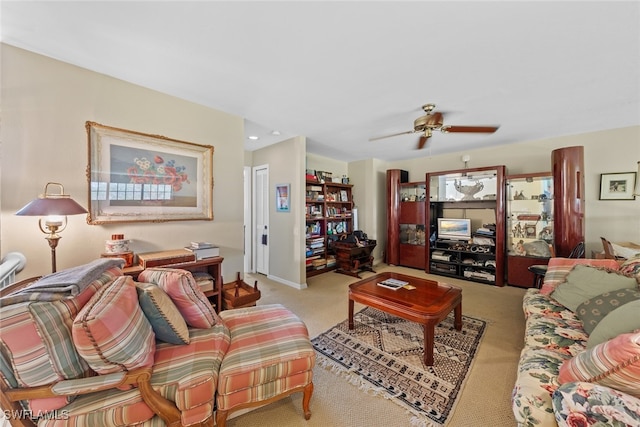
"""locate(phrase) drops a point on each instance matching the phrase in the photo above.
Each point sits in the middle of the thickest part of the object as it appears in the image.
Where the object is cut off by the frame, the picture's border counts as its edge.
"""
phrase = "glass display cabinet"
(411, 224)
(465, 224)
(529, 221)
(406, 231)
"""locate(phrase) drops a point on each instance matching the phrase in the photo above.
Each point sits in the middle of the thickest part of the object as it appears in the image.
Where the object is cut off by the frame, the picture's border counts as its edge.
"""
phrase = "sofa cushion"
(270, 353)
(111, 333)
(108, 408)
(188, 374)
(166, 321)
(614, 363)
(585, 282)
(185, 293)
(537, 377)
(558, 268)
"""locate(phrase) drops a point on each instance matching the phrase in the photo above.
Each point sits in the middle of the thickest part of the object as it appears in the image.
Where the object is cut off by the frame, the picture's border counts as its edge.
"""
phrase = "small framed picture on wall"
(283, 198)
(617, 186)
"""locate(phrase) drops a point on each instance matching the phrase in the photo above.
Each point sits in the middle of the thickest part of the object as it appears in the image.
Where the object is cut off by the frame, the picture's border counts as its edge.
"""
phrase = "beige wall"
(45, 104)
(287, 229)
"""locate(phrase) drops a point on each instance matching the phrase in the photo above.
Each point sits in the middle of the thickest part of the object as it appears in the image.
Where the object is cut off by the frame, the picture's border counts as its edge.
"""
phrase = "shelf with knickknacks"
(118, 247)
(529, 220)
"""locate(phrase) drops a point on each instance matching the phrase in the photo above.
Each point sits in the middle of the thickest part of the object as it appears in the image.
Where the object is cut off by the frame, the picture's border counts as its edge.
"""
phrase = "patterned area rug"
(383, 354)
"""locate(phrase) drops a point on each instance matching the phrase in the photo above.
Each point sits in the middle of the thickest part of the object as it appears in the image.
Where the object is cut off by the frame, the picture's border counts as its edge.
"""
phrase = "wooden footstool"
(270, 357)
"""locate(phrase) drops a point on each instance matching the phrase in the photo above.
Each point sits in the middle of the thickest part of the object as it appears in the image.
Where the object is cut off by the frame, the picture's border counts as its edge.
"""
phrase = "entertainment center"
(465, 218)
(459, 223)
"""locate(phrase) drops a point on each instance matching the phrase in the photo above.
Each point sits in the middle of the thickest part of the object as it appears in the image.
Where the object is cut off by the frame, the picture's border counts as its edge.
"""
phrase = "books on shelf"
(394, 284)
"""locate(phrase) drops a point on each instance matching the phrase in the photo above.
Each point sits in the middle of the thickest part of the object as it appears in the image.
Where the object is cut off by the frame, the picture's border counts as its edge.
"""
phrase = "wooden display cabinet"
(406, 234)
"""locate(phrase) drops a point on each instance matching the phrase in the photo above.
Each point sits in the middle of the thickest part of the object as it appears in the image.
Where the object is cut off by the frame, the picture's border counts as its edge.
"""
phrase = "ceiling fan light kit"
(433, 120)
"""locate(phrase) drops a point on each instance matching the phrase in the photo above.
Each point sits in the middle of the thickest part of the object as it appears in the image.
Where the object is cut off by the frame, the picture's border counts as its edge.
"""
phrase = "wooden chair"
(609, 252)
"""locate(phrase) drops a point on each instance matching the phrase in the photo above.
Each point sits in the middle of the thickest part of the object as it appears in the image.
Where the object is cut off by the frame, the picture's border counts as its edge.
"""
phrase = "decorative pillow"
(622, 320)
(631, 267)
(185, 294)
(593, 310)
(585, 282)
(111, 332)
(559, 268)
(614, 363)
(166, 321)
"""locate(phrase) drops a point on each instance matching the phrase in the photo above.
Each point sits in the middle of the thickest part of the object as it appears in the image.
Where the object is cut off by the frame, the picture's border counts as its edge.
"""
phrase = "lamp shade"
(51, 206)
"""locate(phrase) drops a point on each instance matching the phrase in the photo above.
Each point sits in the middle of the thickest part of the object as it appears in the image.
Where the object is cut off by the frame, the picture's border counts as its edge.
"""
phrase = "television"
(454, 229)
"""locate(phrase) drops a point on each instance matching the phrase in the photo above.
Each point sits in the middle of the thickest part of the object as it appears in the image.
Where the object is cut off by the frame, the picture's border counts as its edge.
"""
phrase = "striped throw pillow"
(111, 333)
(559, 268)
(185, 294)
(614, 363)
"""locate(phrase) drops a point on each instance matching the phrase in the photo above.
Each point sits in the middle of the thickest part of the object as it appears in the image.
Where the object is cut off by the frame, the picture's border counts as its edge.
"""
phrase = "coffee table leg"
(429, 331)
(350, 314)
(458, 317)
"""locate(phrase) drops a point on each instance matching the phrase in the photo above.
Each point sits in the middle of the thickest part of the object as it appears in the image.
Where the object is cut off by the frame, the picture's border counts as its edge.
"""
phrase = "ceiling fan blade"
(389, 136)
(469, 129)
(422, 142)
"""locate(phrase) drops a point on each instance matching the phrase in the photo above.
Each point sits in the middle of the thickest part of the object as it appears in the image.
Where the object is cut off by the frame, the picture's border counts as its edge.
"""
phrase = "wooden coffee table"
(428, 304)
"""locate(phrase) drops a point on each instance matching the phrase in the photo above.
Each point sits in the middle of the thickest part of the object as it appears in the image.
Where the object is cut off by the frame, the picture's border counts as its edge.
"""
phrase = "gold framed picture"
(138, 177)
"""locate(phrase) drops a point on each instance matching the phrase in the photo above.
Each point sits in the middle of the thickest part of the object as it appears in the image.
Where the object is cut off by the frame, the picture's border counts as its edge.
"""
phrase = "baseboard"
(287, 282)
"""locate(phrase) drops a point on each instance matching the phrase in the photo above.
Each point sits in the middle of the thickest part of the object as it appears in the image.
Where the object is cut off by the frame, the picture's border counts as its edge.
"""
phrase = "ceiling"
(340, 73)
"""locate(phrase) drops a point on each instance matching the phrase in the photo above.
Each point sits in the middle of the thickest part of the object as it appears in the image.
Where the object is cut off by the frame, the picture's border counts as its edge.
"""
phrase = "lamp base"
(53, 243)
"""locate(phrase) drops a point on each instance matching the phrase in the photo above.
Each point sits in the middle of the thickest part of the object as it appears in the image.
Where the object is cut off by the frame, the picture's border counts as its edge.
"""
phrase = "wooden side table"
(212, 266)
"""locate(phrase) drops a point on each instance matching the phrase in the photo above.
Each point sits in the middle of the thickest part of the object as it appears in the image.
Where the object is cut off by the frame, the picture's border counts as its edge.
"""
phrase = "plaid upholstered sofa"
(90, 347)
(580, 365)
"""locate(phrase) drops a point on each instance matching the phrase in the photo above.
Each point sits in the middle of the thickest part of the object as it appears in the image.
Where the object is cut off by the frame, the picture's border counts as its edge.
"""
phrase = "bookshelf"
(329, 209)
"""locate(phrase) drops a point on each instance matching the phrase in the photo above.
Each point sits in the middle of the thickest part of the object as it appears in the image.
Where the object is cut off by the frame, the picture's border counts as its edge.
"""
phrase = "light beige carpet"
(485, 399)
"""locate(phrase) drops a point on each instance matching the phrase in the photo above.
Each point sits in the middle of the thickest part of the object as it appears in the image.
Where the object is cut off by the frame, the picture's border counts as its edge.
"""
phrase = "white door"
(261, 215)
(247, 226)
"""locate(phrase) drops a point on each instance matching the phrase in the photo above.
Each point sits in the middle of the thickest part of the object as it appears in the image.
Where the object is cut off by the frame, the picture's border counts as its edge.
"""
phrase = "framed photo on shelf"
(283, 198)
(137, 177)
(617, 186)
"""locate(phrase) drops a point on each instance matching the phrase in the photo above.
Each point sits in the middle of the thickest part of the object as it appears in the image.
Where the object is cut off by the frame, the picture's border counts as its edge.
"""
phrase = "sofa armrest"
(71, 387)
(140, 378)
(577, 402)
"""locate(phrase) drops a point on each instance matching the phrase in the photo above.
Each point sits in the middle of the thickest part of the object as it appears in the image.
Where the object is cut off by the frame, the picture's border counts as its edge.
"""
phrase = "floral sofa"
(580, 365)
(88, 346)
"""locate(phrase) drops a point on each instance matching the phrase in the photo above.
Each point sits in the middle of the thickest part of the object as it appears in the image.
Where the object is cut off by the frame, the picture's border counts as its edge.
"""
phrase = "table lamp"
(54, 209)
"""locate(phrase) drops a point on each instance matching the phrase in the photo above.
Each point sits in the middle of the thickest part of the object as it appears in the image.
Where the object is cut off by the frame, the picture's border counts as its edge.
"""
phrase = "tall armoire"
(568, 198)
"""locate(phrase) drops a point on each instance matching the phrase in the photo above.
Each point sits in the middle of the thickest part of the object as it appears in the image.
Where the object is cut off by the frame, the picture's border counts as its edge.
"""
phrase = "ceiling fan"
(431, 121)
